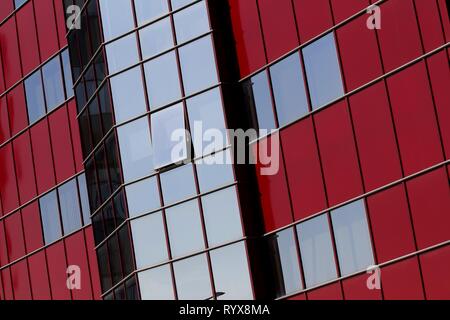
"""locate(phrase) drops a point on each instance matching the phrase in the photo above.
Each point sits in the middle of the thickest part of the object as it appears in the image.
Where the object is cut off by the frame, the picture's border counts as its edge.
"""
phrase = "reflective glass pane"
(67, 73)
(122, 53)
(50, 217)
(128, 106)
(289, 89)
(231, 274)
(192, 278)
(191, 22)
(198, 65)
(149, 240)
(143, 197)
(156, 38)
(163, 83)
(185, 229)
(176, 4)
(351, 232)
(323, 71)
(156, 284)
(53, 83)
(135, 150)
(35, 97)
(317, 251)
(215, 171)
(70, 207)
(178, 184)
(117, 17)
(84, 199)
(222, 217)
(147, 11)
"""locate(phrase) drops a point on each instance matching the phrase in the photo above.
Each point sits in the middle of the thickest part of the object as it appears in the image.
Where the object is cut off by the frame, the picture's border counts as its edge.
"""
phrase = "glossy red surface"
(10, 53)
(57, 267)
(46, 28)
(435, 265)
(39, 276)
(24, 167)
(345, 9)
(26, 27)
(14, 237)
(32, 227)
(328, 292)
(17, 109)
(311, 25)
(355, 288)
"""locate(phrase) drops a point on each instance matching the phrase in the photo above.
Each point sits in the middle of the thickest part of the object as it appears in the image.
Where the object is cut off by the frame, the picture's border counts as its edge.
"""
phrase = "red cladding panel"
(329, 292)
(95, 275)
(3, 246)
(391, 224)
(78, 152)
(273, 195)
(345, 9)
(402, 281)
(17, 109)
(356, 288)
(279, 28)
(7, 285)
(361, 63)
(21, 281)
(375, 137)
(435, 266)
(62, 145)
(10, 52)
(40, 285)
(8, 185)
(6, 7)
(303, 169)
(430, 24)
(443, 8)
(24, 167)
(26, 27)
(300, 297)
(4, 121)
(414, 117)
(61, 22)
(309, 24)
(57, 268)
(247, 34)
(337, 148)
(14, 237)
(46, 28)
(429, 197)
(399, 35)
(32, 227)
(42, 154)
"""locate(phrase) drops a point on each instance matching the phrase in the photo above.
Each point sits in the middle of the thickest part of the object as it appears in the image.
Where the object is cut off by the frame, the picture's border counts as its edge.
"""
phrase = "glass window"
(317, 251)
(191, 22)
(156, 284)
(143, 197)
(192, 278)
(257, 90)
(215, 171)
(169, 136)
(128, 106)
(67, 73)
(82, 185)
(149, 240)
(289, 89)
(156, 38)
(35, 97)
(117, 17)
(122, 53)
(176, 4)
(135, 150)
(198, 65)
(185, 229)
(70, 207)
(322, 71)
(178, 184)
(222, 217)
(351, 232)
(285, 263)
(163, 83)
(53, 83)
(207, 123)
(231, 274)
(147, 11)
(18, 3)
(50, 217)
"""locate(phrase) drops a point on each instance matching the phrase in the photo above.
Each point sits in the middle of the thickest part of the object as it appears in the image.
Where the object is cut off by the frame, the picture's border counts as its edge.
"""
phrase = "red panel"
(42, 154)
(10, 52)
(46, 28)
(76, 255)
(61, 22)
(300, 297)
(7, 285)
(4, 122)
(57, 268)
(278, 23)
(76, 140)
(444, 16)
(26, 27)
(313, 17)
(337, 148)
(24, 167)
(247, 35)
(17, 109)
(399, 35)
(375, 137)
(329, 292)
(2, 81)
(273, 195)
(8, 185)
(391, 224)
(345, 9)
(402, 281)
(95, 275)
(40, 285)
(436, 278)
(414, 117)
(6, 7)
(14, 237)
(61, 142)
(32, 227)
(357, 70)
(21, 281)
(303, 169)
(3, 247)
(429, 198)
(440, 82)
(356, 288)
(430, 24)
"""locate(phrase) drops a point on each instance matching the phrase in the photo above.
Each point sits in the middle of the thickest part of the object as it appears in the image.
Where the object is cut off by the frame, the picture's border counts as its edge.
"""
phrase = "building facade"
(120, 177)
